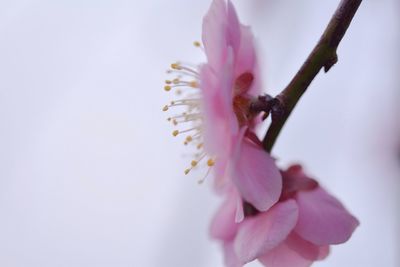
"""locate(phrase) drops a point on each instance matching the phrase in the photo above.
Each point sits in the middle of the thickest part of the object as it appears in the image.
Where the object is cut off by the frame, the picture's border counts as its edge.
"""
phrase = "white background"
(90, 174)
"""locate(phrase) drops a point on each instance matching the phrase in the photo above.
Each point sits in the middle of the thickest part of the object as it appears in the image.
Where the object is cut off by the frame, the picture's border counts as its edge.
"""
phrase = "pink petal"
(284, 256)
(230, 257)
(220, 123)
(214, 34)
(221, 31)
(306, 249)
(225, 91)
(234, 33)
(221, 180)
(263, 232)
(256, 176)
(294, 180)
(246, 56)
(239, 216)
(322, 218)
(223, 150)
(323, 252)
(223, 225)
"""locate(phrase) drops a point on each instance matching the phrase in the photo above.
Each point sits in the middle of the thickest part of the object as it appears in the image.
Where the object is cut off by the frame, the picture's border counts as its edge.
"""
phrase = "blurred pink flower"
(295, 232)
(229, 81)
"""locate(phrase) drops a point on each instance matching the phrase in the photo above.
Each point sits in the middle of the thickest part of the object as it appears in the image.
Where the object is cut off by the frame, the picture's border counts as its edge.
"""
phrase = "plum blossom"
(216, 99)
(296, 231)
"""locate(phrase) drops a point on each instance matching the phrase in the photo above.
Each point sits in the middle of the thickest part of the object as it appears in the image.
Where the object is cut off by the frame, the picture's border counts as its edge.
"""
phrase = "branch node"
(332, 60)
(278, 109)
(261, 103)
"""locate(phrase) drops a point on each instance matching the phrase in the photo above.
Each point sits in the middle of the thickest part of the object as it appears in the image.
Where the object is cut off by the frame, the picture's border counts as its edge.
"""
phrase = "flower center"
(241, 101)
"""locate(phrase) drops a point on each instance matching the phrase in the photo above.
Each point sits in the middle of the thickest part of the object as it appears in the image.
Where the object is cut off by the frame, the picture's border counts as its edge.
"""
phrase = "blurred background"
(90, 174)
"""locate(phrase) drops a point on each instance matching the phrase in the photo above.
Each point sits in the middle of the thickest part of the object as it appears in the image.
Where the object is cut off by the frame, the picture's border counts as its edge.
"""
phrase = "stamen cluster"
(188, 118)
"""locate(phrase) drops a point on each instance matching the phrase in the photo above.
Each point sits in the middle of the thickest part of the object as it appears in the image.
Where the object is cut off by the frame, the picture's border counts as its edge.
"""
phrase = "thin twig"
(323, 56)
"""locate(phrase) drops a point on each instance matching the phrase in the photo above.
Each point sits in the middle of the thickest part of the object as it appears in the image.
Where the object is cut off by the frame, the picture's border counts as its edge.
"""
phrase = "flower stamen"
(197, 44)
(189, 104)
(210, 162)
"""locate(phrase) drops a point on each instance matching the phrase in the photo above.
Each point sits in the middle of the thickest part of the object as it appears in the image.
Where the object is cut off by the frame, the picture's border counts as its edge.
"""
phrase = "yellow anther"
(193, 163)
(165, 108)
(175, 133)
(168, 81)
(187, 171)
(189, 138)
(167, 88)
(210, 162)
(196, 44)
(193, 84)
(175, 66)
(199, 146)
(175, 81)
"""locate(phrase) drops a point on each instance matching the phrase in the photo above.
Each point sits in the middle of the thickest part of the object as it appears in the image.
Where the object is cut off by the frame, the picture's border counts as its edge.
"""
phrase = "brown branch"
(323, 56)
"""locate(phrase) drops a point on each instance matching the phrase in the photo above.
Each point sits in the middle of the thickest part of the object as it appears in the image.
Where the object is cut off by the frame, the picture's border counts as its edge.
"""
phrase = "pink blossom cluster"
(281, 218)
(296, 231)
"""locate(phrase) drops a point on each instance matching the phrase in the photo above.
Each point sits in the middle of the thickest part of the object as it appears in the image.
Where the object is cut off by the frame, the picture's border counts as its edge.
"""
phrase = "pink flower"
(223, 122)
(295, 232)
